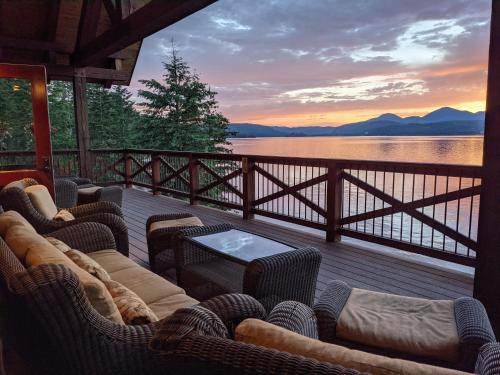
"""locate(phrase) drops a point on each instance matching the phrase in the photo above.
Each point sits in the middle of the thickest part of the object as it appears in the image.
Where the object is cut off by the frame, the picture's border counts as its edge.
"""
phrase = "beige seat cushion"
(168, 305)
(409, 325)
(64, 215)
(184, 222)
(42, 200)
(257, 332)
(132, 308)
(34, 250)
(89, 190)
(10, 218)
(147, 285)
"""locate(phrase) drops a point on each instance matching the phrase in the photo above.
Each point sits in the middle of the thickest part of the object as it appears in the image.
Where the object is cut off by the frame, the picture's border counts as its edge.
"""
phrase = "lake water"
(465, 150)
(449, 150)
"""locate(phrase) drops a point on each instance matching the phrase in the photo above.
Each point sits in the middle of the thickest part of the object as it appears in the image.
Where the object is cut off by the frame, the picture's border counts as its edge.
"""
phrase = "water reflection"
(449, 150)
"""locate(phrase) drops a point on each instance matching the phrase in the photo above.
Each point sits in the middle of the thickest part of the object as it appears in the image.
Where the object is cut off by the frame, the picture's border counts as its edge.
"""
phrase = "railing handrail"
(473, 170)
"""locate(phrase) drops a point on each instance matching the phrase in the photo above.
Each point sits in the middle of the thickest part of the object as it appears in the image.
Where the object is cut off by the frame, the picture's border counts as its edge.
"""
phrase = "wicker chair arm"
(203, 231)
(97, 207)
(154, 218)
(266, 278)
(474, 329)
(9, 263)
(295, 317)
(72, 336)
(86, 237)
(207, 355)
(233, 308)
(79, 180)
(328, 308)
(488, 360)
(66, 193)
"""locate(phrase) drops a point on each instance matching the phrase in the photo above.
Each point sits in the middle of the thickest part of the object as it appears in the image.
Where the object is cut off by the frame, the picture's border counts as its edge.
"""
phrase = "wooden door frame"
(37, 76)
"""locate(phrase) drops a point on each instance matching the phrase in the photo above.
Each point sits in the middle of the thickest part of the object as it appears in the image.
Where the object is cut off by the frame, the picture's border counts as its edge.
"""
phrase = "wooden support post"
(247, 166)
(82, 124)
(334, 196)
(194, 179)
(156, 169)
(487, 276)
(128, 170)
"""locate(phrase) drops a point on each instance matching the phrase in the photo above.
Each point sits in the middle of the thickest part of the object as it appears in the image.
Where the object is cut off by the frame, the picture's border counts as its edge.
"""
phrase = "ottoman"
(92, 193)
(446, 333)
(161, 233)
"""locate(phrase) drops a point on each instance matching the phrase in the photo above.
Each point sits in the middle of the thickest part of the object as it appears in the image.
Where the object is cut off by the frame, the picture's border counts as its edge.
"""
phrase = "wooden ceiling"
(98, 39)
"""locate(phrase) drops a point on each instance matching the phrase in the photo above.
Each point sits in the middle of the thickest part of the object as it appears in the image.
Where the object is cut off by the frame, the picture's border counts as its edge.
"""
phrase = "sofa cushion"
(409, 325)
(163, 297)
(88, 264)
(168, 305)
(34, 250)
(184, 222)
(42, 200)
(132, 308)
(257, 332)
(64, 215)
(21, 239)
(112, 260)
(147, 285)
(10, 218)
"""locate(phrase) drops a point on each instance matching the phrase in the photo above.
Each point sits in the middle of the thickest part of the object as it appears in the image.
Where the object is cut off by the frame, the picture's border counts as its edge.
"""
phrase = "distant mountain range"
(443, 121)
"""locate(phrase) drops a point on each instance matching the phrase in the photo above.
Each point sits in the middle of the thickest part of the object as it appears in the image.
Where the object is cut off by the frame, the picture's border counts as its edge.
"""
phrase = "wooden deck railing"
(430, 209)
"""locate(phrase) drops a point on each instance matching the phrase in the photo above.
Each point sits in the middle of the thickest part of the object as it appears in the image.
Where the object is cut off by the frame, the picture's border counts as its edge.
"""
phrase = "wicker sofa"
(13, 197)
(50, 322)
(215, 337)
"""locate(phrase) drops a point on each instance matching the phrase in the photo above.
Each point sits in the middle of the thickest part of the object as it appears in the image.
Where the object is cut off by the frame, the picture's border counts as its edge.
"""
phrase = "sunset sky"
(318, 62)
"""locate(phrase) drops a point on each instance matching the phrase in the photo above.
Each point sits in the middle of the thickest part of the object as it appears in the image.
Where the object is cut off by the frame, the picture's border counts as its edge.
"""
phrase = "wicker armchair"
(87, 192)
(199, 340)
(14, 198)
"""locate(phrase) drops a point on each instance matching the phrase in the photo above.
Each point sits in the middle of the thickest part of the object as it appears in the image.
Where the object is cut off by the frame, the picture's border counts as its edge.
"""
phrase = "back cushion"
(42, 200)
(258, 332)
(34, 250)
(10, 218)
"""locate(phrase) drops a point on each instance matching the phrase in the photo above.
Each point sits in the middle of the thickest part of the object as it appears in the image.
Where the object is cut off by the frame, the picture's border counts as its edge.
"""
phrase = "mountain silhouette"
(443, 121)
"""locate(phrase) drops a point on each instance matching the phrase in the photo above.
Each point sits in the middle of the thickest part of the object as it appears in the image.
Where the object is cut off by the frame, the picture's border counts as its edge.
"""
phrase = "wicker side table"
(160, 234)
(219, 259)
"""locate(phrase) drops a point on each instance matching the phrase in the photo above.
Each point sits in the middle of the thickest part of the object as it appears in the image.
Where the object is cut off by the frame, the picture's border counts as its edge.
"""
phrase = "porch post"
(81, 122)
(487, 277)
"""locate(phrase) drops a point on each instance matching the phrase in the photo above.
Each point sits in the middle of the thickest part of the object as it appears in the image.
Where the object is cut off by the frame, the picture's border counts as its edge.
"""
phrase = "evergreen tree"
(62, 115)
(181, 113)
(16, 117)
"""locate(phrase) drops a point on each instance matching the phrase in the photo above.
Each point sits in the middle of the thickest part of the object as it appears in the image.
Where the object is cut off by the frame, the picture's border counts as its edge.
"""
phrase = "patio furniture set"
(243, 303)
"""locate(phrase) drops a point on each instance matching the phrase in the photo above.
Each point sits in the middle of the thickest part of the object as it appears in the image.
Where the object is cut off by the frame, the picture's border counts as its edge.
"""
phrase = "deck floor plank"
(357, 266)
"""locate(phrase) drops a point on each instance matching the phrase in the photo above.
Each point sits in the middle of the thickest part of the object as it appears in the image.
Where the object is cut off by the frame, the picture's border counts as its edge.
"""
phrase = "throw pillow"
(88, 264)
(132, 308)
(64, 215)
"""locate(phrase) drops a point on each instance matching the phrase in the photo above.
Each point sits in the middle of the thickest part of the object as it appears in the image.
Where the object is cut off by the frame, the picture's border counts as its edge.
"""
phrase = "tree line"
(178, 112)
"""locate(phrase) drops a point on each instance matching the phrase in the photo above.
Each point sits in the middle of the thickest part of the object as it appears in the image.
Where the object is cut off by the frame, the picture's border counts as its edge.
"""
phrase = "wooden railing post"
(156, 171)
(194, 179)
(247, 166)
(128, 170)
(334, 196)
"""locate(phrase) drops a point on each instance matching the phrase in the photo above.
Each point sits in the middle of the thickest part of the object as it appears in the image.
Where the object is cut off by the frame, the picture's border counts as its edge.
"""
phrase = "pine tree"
(62, 116)
(181, 113)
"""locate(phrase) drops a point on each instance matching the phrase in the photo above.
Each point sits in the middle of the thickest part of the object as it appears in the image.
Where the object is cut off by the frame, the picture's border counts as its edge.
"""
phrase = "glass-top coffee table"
(220, 259)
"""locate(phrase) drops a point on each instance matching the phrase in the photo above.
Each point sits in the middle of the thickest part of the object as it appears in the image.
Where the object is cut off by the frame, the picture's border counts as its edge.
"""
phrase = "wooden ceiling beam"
(30, 44)
(152, 17)
(52, 19)
(92, 73)
(89, 19)
(112, 12)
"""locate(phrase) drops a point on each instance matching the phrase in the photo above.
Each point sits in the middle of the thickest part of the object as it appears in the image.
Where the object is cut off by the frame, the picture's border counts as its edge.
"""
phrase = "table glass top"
(242, 245)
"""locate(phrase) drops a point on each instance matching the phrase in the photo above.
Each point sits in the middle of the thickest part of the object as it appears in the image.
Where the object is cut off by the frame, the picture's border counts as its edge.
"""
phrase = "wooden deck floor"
(358, 267)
